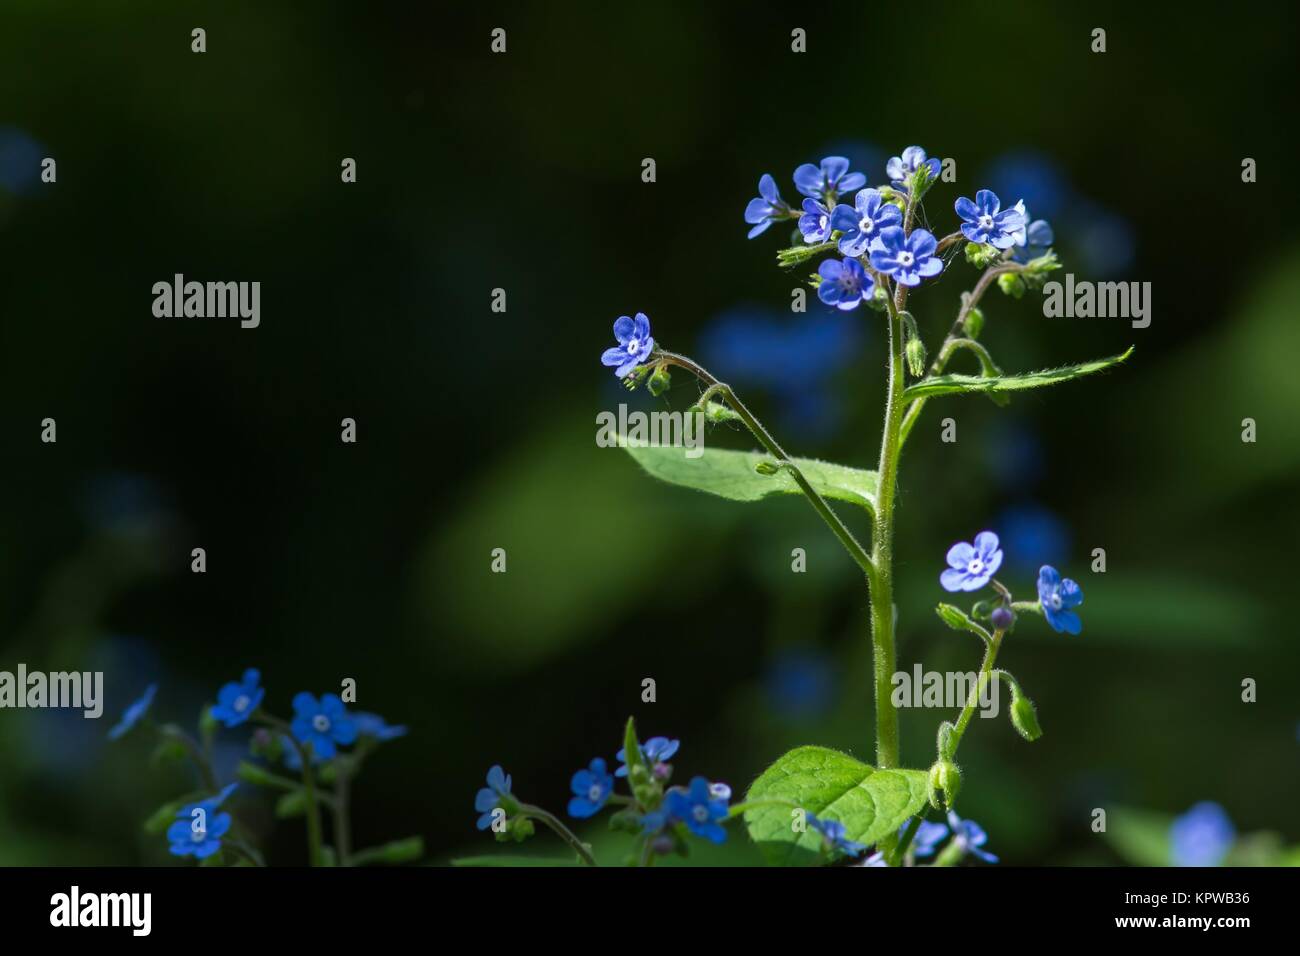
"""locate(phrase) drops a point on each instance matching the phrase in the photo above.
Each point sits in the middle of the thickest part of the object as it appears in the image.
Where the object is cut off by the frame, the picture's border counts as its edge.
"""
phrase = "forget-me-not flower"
(324, 723)
(237, 700)
(209, 806)
(970, 836)
(766, 208)
(1032, 239)
(928, 837)
(199, 838)
(372, 725)
(815, 223)
(900, 168)
(131, 716)
(833, 833)
(699, 809)
(1202, 836)
(908, 258)
(862, 222)
(987, 222)
(591, 788)
(829, 180)
(656, 750)
(844, 284)
(971, 565)
(489, 798)
(1057, 596)
(634, 344)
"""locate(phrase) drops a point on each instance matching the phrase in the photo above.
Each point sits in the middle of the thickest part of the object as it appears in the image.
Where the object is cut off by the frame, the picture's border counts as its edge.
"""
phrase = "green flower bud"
(1023, 715)
(879, 300)
(659, 381)
(767, 468)
(981, 610)
(973, 324)
(944, 782)
(914, 348)
(980, 255)
(1012, 284)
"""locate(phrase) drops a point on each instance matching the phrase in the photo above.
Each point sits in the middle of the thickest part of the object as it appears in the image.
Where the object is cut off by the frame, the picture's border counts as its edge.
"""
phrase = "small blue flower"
(831, 180)
(1202, 836)
(833, 833)
(237, 700)
(767, 208)
(196, 837)
(634, 344)
(698, 809)
(209, 806)
(815, 223)
(592, 788)
(928, 837)
(971, 566)
(656, 750)
(970, 836)
(862, 222)
(1033, 239)
(720, 791)
(909, 259)
(372, 725)
(131, 716)
(489, 797)
(987, 222)
(844, 284)
(900, 168)
(1057, 595)
(876, 859)
(323, 723)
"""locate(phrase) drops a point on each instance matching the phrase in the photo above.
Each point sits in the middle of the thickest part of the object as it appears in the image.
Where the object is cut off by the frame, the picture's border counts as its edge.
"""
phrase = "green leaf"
(292, 804)
(871, 803)
(1141, 837)
(732, 474)
(639, 777)
(953, 384)
(515, 860)
(162, 818)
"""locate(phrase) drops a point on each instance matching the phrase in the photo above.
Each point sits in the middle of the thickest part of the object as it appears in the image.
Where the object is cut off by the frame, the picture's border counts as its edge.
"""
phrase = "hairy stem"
(986, 673)
(560, 830)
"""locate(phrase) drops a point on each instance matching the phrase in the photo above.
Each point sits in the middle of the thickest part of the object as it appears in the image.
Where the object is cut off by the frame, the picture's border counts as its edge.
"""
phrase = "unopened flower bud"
(1011, 284)
(973, 324)
(945, 782)
(659, 381)
(1024, 717)
(1002, 618)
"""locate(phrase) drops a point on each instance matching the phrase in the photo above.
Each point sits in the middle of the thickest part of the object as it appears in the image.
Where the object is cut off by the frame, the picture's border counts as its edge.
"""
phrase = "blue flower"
(900, 168)
(970, 836)
(928, 837)
(987, 222)
(844, 284)
(815, 223)
(971, 566)
(634, 344)
(323, 723)
(372, 725)
(876, 859)
(1057, 595)
(1202, 836)
(208, 806)
(833, 833)
(1032, 240)
(236, 701)
(767, 208)
(131, 716)
(592, 788)
(489, 797)
(199, 838)
(699, 809)
(831, 180)
(862, 222)
(909, 259)
(656, 750)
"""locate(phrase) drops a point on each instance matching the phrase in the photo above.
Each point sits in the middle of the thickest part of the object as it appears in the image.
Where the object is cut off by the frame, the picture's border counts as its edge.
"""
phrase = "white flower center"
(320, 723)
(198, 836)
(866, 225)
(701, 813)
(975, 566)
(821, 222)
(241, 703)
(1055, 601)
(594, 793)
(632, 346)
(986, 221)
(904, 258)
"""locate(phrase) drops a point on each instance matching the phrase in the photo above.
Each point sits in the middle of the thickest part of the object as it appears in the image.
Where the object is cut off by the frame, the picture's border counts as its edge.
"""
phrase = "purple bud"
(662, 771)
(1002, 618)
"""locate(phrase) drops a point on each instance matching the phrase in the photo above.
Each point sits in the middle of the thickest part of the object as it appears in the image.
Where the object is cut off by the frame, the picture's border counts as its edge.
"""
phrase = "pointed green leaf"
(951, 384)
(733, 474)
(871, 803)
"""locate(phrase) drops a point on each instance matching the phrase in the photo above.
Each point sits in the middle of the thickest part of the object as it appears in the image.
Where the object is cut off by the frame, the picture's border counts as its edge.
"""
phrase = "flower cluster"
(972, 565)
(968, 838)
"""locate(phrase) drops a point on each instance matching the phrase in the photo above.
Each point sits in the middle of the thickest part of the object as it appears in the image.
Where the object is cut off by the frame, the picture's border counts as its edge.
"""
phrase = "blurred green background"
(476, 429)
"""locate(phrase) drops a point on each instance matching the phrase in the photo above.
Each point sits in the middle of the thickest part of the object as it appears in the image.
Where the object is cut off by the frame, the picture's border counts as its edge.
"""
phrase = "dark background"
(522, 171)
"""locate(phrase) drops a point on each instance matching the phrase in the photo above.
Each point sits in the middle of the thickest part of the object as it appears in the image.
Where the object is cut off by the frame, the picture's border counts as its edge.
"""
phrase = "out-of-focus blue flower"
(1057, 595)
(653, 751)
(237, 700)
(324, 723)
(970, 836)
(828, 181)
(591, 788)
(844, 284)
(1033, 176)
(1032, 535)
(199, 838)
(20, 161)
(208, 806)
(862, 222)
(489, 797)
(1032, 239)
(131, 716)
(971, 566)
(767, 208)
(900, 168)
(1202, 836)
(907, 258)
(987, 222)
(634, 344)
(876, 859)
(834, 836)
(372, 725)
(815, 223)
(928, 837)
(720, 790)
(800, 682)
(698, 809)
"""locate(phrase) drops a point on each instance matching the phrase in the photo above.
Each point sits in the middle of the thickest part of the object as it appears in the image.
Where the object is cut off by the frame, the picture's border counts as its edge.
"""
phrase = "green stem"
(986, 673)
(342, 823)
(896, 858)
(314, 856)
(560, 830)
